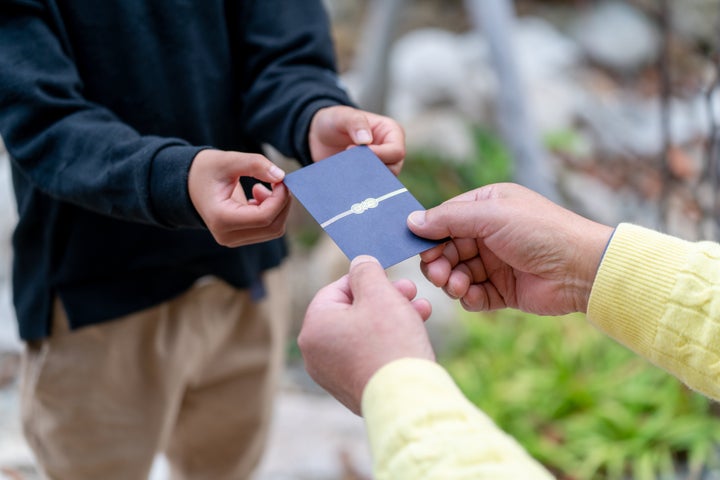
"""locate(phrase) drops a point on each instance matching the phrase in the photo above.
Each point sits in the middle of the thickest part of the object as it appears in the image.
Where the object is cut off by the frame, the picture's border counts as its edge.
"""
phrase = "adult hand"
(218, 197)
(334, 129)
(359, 323)
(511, 247)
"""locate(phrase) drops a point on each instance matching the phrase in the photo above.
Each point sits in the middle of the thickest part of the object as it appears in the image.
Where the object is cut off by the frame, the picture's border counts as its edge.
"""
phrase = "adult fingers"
(423, 307)
(432, 254)
(483, 297)
(333, 294)
(459, 281)
(406, 287)
(437, 271)
(368, 279)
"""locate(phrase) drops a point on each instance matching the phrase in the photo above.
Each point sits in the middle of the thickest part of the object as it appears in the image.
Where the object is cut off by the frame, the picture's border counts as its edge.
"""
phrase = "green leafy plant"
(581, 404)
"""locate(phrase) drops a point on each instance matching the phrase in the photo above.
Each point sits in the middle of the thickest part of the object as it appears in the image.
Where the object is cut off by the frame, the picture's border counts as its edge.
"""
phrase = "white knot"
(359, 208)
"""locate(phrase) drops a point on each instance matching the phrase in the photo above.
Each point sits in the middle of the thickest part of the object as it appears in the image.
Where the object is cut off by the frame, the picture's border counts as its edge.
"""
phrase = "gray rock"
(543, 51)
(444, 132)
(594, 199)
(618, 36)
(548, 62)
(629, 125)
(431, 67)
(696, 19)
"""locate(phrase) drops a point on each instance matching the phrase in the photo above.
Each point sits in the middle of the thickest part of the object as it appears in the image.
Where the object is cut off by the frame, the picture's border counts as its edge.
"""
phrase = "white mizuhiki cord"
(358, 208)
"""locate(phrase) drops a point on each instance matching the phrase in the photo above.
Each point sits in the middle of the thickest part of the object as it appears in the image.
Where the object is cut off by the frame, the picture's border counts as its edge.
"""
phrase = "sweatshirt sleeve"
(290, 72)
(660, 296)
(421, 427)
(71, 148)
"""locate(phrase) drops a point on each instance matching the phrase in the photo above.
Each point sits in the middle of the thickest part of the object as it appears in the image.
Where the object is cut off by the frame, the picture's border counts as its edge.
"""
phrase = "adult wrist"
(598, 238)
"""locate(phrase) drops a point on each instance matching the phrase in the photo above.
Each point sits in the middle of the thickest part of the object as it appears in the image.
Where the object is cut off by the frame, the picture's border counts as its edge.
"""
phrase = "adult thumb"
(367, 277)
(451, 219)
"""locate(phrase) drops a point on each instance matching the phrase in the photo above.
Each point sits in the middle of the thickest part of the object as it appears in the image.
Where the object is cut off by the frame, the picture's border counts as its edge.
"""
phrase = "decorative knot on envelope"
(362, 206)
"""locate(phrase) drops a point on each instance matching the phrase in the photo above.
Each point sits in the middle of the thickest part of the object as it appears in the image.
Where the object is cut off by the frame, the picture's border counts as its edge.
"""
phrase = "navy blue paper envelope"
(360, 204)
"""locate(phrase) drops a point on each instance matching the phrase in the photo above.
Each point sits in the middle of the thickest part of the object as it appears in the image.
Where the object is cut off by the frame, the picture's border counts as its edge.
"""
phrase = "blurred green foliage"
(564, 141)
(432, 178)
(581, 404)
(305, 235)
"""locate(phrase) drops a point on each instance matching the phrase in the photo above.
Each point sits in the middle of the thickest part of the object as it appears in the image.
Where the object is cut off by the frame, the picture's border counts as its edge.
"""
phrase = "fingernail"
(363, 259)
(417, 218)
(276, 172)
(363, 137)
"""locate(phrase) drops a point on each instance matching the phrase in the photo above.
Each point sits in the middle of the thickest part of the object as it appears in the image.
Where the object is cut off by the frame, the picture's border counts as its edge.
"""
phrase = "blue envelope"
(360, 204)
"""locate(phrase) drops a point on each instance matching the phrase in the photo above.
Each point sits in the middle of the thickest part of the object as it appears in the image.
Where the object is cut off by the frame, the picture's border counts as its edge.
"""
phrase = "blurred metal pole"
(496, 20)
(713, 147)
(664, 19)
(372, 60)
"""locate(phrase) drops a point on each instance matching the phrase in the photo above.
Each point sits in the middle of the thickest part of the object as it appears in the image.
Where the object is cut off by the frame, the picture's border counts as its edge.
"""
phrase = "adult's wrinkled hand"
(358, 324)
(511, 247)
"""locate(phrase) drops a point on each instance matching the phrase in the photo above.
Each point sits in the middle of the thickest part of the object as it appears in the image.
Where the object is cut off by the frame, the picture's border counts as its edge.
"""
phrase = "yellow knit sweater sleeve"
(660, 296)
(421, 427)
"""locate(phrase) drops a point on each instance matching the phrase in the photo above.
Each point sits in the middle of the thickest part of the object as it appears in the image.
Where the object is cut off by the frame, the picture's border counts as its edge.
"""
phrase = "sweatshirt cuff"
(169, 187)
(301, 145)
(633, 283)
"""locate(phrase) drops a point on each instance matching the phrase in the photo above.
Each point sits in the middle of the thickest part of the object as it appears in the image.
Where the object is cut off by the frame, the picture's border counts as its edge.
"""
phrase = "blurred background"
(611, 108)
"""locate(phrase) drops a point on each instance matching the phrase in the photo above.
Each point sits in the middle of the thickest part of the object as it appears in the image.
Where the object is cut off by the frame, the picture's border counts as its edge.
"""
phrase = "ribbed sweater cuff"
(169, 187)
(633, 284)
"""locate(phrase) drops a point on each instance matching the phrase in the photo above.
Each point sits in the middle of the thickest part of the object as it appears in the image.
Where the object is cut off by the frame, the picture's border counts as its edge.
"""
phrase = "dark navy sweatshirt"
(103, 106)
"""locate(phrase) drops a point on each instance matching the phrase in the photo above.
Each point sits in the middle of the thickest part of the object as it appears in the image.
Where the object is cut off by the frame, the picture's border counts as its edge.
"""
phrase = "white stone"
(548, 61)
(618, 36)
(443, 132)
(427, 62)
(625, 124)
(431, 67)
(543, 51)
